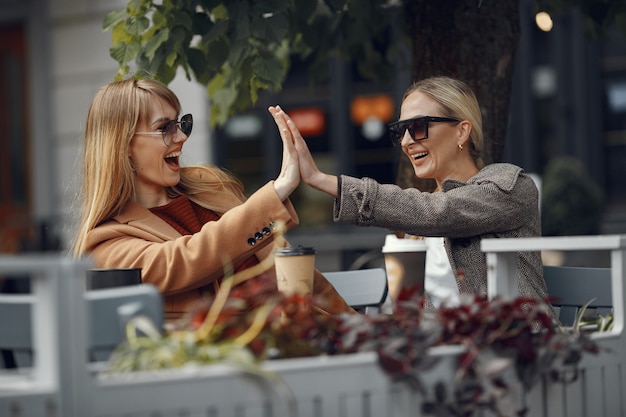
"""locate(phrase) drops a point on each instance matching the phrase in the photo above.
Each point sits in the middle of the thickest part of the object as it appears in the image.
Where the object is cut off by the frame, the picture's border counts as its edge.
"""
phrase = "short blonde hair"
(457, 101)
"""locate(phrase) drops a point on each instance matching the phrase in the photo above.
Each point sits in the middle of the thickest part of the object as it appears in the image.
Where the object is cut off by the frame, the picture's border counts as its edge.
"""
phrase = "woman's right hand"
(309, 171)
(289, 176)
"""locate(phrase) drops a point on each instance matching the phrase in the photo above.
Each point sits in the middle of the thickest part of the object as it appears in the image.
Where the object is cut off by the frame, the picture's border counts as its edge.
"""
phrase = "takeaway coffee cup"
(405, 263)
(116, 277)
(295, 267)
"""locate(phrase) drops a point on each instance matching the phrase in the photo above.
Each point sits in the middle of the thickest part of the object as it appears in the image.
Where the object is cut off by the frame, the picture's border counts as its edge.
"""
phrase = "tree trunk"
(449, 38)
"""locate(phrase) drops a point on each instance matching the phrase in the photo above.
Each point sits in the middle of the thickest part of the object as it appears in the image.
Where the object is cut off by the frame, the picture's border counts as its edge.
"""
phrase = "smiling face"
(156, 165)
(439, 156)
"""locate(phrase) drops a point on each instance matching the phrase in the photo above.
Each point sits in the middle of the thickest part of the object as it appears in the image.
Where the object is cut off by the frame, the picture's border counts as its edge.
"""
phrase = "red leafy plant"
(253, 322)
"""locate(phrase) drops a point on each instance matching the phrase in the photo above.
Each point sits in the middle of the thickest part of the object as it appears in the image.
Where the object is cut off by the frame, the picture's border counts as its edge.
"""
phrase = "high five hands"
(289, 176)
(294, 146)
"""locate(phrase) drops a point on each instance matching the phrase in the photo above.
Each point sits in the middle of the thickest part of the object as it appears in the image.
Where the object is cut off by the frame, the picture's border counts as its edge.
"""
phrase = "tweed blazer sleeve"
(176, 263)
(499, 198)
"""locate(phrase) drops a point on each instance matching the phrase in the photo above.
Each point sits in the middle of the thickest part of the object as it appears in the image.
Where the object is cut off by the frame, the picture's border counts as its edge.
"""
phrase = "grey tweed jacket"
(499, 201)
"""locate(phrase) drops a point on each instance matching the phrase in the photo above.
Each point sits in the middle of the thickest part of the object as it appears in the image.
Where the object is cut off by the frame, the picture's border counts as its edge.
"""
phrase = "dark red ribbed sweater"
(188, 218)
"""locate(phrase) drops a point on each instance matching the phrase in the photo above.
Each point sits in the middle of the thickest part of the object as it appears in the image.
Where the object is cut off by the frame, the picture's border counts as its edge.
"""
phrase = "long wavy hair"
(108, 176)
(457, 101)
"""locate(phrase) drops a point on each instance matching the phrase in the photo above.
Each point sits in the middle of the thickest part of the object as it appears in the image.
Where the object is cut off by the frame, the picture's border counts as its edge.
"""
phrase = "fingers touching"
(294, 142)
(289, 176)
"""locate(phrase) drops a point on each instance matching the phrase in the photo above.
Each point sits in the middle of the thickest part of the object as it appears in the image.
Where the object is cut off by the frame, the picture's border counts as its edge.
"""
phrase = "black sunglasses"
(168, 129)
(417, 127)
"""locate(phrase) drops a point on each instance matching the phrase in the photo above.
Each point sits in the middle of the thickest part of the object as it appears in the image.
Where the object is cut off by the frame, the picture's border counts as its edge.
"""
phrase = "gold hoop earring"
(460, 146)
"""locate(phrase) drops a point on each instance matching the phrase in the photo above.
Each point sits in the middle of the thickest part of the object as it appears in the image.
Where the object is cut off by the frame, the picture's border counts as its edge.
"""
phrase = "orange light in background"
(378, 106)
(310, 121)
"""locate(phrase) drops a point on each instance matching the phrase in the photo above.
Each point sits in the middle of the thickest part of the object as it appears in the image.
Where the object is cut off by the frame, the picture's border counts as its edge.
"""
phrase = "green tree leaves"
(239, 47)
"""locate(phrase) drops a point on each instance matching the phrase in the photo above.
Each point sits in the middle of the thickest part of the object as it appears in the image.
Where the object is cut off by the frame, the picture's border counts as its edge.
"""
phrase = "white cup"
(405, 263)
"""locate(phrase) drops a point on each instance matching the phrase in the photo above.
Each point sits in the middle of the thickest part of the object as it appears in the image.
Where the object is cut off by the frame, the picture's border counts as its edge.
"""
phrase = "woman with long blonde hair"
(180, 225)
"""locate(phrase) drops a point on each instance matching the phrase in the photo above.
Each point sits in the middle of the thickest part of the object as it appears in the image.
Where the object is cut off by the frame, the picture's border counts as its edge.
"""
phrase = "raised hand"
(309, 171)
(289, 176)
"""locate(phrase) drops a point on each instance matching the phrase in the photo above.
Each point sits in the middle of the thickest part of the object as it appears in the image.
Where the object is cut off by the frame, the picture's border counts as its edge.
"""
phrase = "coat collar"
(142, 218)
(133, 212)
(504, 176)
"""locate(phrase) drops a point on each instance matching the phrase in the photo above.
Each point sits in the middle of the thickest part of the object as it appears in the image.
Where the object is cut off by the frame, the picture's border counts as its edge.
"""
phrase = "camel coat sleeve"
(176, 263)
(183, 268)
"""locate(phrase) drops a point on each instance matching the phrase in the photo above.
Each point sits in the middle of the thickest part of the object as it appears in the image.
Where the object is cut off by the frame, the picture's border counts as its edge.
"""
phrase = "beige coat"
(183, 268)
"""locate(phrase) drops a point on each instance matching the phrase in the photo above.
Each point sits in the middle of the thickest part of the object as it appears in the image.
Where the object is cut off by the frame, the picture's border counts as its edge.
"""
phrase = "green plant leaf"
(165, 73)
(151, 67)
(272, 29)
(120, 34)
(216, 83)
(269, 69)
(179, 37)
(171, 58)
(201, 24)
(240, 80)
(217, 54)
(240, 15)
(222, 101)
(135, 27)
(239, 51)
(220, 12)
(155, 42)
(218, 30)
(222, 90)
(182, 19)
(123, 52)
(114, 18)
(137, 7)
(209, 5)
(197, 60)
(122, 70)
(159, 18)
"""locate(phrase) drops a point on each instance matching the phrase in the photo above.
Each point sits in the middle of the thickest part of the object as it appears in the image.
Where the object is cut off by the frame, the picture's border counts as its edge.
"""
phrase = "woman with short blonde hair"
(440, 132)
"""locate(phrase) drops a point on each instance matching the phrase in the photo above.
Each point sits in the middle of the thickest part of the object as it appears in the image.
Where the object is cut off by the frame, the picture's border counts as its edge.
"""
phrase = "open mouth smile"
(172, 158)
(419, 155)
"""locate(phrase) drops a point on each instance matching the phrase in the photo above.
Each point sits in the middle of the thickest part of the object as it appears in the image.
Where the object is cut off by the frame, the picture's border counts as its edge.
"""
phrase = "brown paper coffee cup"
(295, 268)
(405, 263)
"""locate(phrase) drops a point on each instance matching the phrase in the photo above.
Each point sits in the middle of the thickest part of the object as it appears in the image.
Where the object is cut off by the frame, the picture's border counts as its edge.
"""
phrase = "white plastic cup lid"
(395, 244)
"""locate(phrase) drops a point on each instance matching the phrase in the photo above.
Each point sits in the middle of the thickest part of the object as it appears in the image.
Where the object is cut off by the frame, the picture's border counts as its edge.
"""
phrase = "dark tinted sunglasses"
(168, 129)
(417, 127)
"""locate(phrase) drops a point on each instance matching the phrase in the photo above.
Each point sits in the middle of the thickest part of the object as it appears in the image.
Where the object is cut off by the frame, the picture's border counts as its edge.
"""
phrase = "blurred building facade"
(54, 58)
(569, 98)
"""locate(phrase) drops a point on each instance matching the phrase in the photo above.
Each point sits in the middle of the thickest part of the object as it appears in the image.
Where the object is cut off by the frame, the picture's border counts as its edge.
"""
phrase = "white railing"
(600, 389)
(61, 384)
(48, 387)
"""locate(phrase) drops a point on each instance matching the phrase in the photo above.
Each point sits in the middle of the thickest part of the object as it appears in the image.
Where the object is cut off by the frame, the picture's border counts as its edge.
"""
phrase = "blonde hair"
(457, 101)
(108, 177)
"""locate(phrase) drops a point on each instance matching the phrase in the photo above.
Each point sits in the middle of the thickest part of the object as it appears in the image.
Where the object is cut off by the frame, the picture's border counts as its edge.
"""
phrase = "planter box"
(342, 386)
(62, 384)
